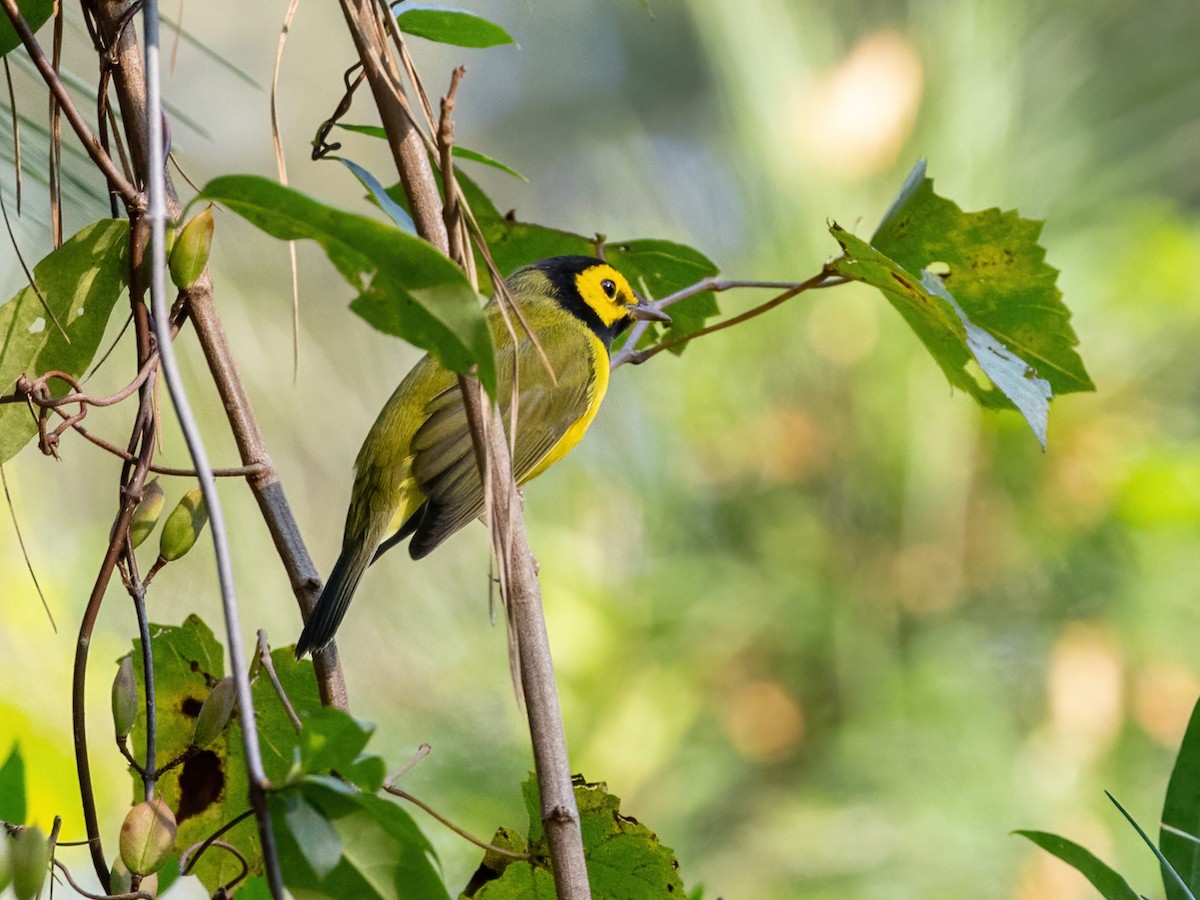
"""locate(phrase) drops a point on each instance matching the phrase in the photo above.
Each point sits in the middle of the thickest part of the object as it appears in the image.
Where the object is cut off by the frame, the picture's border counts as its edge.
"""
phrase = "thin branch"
(422, 752)
(131, 895)
(233, 472)
(188, 859)
(628, 354)
(463, 833)
(157, 216)
(264, 655)
(128, 192)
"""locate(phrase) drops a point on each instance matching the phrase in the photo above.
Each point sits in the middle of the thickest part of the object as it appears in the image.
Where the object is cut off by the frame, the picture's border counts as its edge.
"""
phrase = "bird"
(416, 476)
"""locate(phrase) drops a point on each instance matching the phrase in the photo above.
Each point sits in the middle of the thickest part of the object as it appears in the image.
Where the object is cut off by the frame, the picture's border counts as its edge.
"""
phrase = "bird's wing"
(444, 457)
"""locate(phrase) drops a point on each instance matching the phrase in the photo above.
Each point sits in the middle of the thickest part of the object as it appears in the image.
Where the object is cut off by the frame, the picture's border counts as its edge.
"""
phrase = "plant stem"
(157, 215)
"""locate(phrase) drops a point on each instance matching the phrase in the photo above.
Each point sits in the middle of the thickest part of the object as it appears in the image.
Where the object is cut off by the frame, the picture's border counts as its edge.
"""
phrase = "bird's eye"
(610, 288)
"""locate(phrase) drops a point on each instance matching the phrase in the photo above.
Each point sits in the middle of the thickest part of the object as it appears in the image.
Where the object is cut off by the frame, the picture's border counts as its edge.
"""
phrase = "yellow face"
(606, 291)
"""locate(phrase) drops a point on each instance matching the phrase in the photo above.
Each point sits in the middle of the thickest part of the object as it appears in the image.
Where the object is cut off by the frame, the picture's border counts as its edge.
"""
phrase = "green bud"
(30, 861)
(215, 713)
(147, 836)
(192, 247)
(183, 526)
(145, 515)
(124, 699)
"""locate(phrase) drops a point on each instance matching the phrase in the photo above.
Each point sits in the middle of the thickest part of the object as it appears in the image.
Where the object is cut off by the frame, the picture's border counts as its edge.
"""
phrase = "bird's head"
(595, 292)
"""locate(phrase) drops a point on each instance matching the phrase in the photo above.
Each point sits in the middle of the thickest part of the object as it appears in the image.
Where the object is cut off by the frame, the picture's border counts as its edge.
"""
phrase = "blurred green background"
(827, 628)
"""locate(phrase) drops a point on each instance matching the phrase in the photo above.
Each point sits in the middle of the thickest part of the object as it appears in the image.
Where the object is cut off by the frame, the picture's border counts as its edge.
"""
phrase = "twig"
(128, 192)
(157, 216)
(187, 860)
(211, 842)
(232, 472)
(264, 655)
(422, 752)
(478, 842)
(629, 353)
(131, 895)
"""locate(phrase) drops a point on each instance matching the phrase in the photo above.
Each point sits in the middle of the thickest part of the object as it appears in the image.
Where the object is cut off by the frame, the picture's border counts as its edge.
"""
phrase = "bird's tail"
(335, 599)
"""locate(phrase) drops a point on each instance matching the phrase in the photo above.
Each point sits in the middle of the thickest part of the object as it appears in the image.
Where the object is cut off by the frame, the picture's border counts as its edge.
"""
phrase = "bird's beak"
(647, 312)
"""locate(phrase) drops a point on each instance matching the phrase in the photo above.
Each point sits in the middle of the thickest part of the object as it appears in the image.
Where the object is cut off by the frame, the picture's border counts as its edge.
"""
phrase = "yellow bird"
(416, 474)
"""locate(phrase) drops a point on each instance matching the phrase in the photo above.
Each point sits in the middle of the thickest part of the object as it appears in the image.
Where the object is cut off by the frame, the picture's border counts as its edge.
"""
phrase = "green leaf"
(970, 357)
(450, 26)
(476, 156)
(1108, 882)
(277, 735)
(624, 858)
(395, 211)
(377, 131)
(976, 289)
(316, 839)
(406, 287)
(366, 773)
(1169, 874)
(211, 786)
(1181, 810)
(35, 13)
(80, 281)
(381, 854)
(993, 265)
(12, 787)
(330, 740)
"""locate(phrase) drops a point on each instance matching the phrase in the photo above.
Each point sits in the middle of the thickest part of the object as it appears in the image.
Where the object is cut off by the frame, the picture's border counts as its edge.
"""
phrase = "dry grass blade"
(25, 553)
(56, 137)
(16, 130)
(12, 238)
(281, 165)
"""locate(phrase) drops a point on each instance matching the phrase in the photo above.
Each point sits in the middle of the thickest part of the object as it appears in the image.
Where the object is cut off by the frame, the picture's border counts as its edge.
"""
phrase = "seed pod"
(215, 712)
(183, 526)
(147, 836)
(189, 256)
(30, 861)
(145, 515)
(124, 699)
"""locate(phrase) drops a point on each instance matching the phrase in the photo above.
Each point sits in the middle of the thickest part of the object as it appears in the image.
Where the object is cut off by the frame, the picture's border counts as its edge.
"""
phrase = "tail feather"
(334, 601)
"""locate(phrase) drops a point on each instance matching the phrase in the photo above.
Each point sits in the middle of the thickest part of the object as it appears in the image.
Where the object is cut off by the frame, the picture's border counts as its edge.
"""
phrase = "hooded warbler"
(416, 475)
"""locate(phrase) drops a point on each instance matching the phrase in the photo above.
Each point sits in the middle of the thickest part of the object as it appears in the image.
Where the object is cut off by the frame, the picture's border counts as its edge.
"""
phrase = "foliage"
(625, 859)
